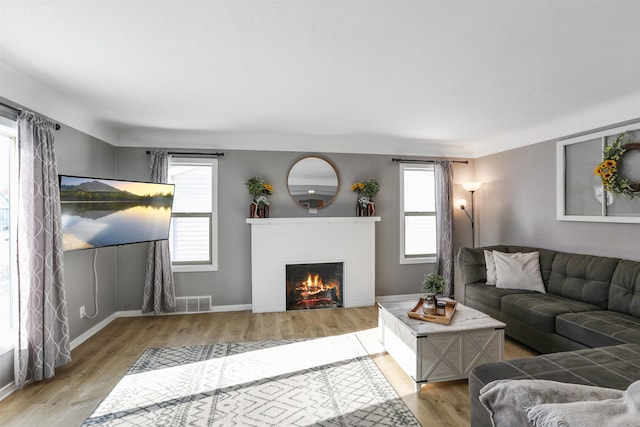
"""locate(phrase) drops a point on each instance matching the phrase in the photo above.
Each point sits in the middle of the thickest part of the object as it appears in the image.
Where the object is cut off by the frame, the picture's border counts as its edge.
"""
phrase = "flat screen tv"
(100, 212)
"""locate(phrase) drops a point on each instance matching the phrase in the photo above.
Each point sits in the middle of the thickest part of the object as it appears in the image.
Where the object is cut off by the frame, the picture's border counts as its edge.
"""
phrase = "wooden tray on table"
(445, 319)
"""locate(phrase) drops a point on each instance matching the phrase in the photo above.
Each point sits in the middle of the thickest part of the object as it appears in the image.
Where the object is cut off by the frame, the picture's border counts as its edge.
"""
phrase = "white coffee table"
(430, 352)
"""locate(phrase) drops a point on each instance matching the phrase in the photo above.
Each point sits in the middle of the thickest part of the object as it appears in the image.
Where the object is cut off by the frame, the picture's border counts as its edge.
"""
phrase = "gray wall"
(517, 205)
(6, 369)
(231, 285)
(80, 154)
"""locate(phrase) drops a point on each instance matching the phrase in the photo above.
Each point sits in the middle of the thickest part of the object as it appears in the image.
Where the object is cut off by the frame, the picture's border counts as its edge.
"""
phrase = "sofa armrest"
(472, 268)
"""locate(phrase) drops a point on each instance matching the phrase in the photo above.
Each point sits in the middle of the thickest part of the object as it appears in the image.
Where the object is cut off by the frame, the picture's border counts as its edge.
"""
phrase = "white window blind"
(194, 182)
(418, 228)
(192, 237)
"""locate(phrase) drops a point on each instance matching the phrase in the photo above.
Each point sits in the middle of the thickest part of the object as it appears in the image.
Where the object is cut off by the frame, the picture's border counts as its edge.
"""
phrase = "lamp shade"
(461, 203)
(472, 186)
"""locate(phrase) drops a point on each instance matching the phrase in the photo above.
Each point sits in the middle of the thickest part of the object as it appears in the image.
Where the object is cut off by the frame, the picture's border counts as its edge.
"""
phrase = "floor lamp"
(471, 187)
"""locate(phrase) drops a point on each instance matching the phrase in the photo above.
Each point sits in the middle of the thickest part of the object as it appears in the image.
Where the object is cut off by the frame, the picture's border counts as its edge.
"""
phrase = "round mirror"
(313, 182)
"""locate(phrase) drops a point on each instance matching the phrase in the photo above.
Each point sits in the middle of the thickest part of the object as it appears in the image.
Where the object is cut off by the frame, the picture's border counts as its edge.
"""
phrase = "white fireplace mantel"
(276, 242)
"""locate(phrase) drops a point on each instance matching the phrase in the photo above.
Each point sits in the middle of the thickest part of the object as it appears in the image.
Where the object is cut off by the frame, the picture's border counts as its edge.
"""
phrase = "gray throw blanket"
(508, 400)
(621, 412)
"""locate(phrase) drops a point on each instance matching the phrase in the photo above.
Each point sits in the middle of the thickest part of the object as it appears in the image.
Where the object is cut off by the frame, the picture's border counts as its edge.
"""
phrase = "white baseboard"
(138, 313)
(237, 307)
(214, 309)
(94, 330)
(131, 313)
(7, 390)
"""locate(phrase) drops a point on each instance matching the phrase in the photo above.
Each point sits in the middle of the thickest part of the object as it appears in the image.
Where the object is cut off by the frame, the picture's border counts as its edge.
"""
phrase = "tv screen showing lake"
(105, 212)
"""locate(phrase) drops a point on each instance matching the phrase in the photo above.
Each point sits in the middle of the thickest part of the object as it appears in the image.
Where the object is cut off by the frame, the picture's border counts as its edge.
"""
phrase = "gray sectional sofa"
(589, 318)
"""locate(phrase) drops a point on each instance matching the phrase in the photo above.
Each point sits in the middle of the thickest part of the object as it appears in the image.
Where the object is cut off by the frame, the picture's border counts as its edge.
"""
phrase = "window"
(418, 214)
(8, 279)
(194, 224)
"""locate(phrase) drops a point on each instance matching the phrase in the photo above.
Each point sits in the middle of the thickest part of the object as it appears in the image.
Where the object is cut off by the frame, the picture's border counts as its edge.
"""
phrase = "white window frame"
(7, 129)
(403, 258)
(213, 237)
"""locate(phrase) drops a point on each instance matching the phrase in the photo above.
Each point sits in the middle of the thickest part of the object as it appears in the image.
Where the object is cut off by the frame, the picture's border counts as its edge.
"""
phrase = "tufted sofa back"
(624, 293)
(585, 278)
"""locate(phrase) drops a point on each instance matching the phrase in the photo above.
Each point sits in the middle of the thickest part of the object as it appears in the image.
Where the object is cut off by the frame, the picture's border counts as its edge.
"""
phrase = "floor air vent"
(193, 304)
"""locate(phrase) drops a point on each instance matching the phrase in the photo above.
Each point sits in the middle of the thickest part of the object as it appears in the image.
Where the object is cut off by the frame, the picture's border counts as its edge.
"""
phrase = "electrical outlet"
(83, 313)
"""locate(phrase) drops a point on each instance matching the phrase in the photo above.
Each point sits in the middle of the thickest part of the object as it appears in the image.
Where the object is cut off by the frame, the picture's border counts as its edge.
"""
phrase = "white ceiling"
(432, 77)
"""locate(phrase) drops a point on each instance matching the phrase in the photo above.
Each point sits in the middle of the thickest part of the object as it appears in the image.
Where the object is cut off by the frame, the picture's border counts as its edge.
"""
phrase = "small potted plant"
(432, 284)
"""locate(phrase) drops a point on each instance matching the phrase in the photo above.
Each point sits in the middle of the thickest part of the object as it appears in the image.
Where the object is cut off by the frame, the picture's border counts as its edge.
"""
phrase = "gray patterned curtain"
(159, 292)
(43, 331)
(444, 222)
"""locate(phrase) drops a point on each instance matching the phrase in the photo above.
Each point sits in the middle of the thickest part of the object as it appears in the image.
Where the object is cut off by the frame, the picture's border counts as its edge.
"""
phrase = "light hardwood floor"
(100, 362)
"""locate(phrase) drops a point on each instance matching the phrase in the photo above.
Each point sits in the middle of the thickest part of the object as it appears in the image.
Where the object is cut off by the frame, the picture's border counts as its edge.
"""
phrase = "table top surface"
(464, 319)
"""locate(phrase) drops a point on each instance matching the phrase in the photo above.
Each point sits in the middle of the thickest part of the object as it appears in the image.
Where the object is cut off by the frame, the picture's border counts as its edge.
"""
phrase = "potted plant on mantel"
(259, 190)
(432, 284)
(365, 205)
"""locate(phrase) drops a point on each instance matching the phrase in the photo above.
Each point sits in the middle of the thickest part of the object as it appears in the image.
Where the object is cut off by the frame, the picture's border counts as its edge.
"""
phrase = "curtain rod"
(178, 153)
(466, 162)
(19, 110)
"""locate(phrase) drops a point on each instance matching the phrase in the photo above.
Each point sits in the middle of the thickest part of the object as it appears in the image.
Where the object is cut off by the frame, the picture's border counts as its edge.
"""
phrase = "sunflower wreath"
(608, 169)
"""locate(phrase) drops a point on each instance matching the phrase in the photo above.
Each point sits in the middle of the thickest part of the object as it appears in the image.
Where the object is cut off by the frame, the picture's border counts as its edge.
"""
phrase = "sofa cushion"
(540, 310)
(613, 367)
(489, 295)
(583, 278)
(624, 292)
(599, 328)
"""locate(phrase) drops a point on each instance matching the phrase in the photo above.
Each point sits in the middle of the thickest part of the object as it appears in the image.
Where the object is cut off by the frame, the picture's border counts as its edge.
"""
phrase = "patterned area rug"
(326, 381)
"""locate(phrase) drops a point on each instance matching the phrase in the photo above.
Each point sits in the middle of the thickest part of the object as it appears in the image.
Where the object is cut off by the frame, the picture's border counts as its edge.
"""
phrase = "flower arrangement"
(433, 283)
(607, 170)
(369, 188)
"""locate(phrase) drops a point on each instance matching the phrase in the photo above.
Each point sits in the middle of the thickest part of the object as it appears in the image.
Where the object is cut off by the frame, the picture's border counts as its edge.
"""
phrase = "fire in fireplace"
(318, 285)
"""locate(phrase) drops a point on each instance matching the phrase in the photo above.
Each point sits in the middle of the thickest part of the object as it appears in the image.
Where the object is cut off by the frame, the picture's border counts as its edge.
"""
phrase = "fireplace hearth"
(317, 285)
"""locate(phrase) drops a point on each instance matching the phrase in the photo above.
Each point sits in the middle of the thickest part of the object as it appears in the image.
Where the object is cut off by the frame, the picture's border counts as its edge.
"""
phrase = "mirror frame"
(333, 168)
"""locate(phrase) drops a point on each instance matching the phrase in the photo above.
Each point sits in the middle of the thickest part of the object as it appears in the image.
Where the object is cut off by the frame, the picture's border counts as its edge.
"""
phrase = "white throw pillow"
(491, 267)
(518, 271)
